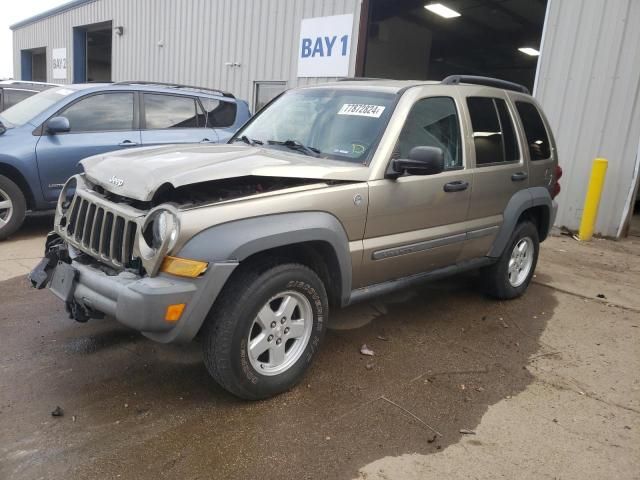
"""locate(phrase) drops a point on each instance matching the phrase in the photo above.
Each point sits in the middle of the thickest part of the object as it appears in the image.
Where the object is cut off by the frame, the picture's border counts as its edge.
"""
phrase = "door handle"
(127, 143)
(205, 140)
(519, 176)
(457, 186)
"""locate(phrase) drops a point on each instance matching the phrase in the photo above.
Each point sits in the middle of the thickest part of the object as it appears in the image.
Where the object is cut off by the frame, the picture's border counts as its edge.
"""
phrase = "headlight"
(160, 230)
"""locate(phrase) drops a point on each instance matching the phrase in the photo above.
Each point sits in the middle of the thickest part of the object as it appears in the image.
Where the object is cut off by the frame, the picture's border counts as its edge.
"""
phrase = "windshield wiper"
(296, 145)
(247, 140)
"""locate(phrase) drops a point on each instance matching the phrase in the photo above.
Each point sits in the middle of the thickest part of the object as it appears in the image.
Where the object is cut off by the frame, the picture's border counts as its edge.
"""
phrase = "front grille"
(100, 229)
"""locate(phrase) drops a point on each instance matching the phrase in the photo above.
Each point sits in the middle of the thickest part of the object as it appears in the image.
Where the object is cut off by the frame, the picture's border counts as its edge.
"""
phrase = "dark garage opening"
(92, 46)
(405, 40)
(34, 64)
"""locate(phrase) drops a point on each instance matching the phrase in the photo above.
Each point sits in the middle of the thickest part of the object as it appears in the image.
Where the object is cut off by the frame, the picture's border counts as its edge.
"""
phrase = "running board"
(366, 293)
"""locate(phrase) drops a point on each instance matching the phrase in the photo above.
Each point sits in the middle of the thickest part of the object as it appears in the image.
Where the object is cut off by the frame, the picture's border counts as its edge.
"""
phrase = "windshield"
(328, 123)
(27, 109)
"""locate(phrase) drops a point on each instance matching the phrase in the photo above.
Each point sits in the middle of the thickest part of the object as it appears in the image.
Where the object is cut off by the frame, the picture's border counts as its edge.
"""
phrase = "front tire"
(13, 207)
(264, 329)
(510, 276)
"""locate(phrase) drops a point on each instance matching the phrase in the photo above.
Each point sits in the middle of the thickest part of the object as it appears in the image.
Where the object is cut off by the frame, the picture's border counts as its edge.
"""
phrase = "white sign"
(361, 110)
(59, 63)
(325, 46)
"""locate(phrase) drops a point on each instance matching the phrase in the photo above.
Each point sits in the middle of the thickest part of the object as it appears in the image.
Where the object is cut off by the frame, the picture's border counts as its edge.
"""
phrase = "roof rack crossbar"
(175, 85)
(486, 81)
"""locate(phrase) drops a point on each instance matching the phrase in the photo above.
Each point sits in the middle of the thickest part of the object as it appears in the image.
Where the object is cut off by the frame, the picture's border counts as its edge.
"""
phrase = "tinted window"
(433, 122)
(493, 132)
(219, 113)
(537, 139)
(511, 150)
(169, 111)
(11, 97)
(102, 112)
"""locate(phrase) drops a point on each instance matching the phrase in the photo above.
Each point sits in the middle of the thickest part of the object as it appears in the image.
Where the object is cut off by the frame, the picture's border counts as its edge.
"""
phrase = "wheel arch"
(534, 204)
(315, 239)
(13, 174)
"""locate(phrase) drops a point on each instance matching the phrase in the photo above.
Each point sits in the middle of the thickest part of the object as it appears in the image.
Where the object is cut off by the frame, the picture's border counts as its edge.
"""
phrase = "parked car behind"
(43, 138)
(14, 91)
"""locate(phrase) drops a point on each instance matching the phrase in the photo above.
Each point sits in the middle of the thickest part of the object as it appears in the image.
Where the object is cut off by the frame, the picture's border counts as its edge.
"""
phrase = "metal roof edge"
(50, 13)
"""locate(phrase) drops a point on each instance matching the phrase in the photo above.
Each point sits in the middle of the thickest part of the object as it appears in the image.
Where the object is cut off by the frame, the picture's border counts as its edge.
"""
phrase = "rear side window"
(169, 111)
(493, 131)
(219, 113)
(11, 97)
(537, 138)
(101, 113)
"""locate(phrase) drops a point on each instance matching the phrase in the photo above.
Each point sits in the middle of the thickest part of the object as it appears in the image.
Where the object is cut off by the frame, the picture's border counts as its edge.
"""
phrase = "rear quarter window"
(535, 131)
(220, 113)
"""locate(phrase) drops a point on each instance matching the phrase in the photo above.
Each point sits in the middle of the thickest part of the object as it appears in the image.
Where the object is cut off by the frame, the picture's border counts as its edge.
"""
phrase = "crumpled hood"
(138, 173)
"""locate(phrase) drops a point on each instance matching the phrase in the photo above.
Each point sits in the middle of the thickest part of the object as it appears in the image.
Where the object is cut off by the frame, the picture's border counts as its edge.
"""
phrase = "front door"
(99, 123)
(417, 223)
(172, 119)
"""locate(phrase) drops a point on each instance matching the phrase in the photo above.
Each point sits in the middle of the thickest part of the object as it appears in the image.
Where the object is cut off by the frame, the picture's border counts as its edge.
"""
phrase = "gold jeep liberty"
(330, 195)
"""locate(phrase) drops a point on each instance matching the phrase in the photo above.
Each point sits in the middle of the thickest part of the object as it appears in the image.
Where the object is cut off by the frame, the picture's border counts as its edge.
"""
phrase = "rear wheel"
(510, 276)
(264, 330)
(13, 207)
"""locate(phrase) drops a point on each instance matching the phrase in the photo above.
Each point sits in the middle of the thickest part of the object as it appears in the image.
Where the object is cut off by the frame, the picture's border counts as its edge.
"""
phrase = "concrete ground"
(548, 384)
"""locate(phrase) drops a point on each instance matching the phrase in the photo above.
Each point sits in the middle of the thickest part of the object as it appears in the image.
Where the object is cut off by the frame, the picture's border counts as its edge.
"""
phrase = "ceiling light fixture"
(529, 51)
(439, 9)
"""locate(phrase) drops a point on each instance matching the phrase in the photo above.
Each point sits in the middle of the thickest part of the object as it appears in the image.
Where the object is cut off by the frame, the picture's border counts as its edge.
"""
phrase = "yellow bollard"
(592, 200)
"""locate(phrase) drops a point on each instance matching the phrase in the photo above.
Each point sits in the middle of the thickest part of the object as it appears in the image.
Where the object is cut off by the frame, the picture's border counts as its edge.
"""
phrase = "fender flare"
(519, 202)
(238, 240)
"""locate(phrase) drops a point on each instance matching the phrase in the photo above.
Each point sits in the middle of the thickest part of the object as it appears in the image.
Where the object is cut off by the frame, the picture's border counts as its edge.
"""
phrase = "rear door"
(169, 119)
(499, 171)
(100, 122)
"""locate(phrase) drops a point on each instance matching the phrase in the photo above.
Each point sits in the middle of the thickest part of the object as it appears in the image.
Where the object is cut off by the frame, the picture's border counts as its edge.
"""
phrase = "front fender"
(238, 240)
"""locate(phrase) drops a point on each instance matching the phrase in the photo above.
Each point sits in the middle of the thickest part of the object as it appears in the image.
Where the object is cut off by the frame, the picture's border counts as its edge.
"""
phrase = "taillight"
(555, 187)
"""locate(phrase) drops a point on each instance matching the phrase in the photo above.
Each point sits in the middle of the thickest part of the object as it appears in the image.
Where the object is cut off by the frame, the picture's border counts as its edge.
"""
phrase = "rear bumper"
(139, 302)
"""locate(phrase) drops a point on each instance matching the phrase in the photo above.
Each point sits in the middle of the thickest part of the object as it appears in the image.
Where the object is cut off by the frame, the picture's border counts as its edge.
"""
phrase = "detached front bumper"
(135, 301)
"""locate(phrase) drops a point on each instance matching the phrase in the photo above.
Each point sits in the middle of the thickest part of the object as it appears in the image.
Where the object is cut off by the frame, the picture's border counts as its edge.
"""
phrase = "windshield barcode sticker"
(362, 110)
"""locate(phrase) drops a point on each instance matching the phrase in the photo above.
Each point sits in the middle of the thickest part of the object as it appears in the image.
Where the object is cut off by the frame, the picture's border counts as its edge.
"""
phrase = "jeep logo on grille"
(118, 182)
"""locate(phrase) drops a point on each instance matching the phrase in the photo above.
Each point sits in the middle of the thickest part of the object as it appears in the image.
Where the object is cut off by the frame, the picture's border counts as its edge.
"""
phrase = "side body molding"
(237, 240)
(521, 201)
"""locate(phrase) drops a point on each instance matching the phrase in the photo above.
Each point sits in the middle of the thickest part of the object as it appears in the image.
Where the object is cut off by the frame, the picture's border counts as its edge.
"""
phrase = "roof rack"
(176, 85)
(358, 79)
(487, 81)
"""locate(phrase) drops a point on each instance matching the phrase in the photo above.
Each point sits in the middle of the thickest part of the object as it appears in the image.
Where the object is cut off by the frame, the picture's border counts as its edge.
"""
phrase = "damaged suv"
(332, 194)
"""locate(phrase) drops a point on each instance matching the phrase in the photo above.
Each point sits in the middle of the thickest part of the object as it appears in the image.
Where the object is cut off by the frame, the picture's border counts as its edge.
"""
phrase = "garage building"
(580, 59)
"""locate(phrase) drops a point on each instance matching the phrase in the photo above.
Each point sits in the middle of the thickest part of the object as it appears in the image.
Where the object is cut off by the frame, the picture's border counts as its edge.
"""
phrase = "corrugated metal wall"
(199, 38)
(589, 84)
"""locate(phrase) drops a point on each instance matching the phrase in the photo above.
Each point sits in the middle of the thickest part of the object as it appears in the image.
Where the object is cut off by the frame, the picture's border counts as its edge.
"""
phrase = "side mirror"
(58, 125)
(421, 161)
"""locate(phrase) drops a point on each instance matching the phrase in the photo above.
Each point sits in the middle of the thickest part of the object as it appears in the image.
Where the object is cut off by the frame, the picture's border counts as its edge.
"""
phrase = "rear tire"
(264, 329)
(510, 276)
(13, 207)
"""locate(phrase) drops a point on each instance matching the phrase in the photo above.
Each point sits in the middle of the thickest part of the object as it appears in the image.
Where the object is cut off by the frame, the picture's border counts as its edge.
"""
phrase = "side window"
(219, 113)
(11, 97)
(169, 111)
(102, 112)
(493, 132)
(537, 138)
(433, 122)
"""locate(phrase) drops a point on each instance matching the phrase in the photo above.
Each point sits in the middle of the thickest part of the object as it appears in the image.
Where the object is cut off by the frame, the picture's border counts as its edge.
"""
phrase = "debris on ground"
(58, 412)
(383, 338)
(364, 350)
(432, 439)
(601, 295)
(464, 431)
(369, 366)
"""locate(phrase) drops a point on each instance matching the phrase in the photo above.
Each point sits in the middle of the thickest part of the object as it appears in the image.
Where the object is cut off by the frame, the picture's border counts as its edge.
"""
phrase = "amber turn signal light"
(183, 267)
(174, 312)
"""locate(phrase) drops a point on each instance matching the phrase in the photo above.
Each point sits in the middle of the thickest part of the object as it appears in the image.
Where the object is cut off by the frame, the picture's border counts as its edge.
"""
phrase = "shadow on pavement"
(443, 354)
